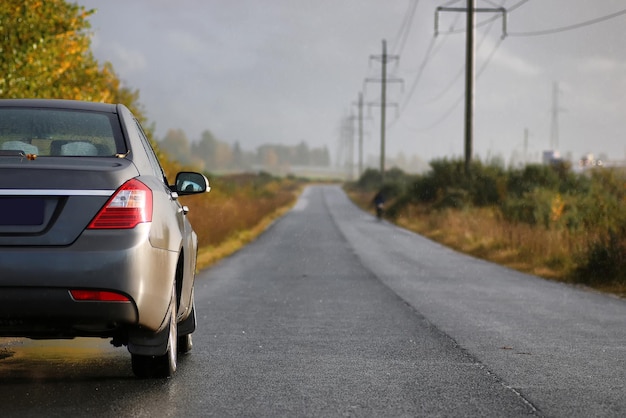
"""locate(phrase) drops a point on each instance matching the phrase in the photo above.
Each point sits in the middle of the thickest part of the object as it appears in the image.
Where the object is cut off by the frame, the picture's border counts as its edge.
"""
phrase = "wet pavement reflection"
(49, 360)
(81, 377)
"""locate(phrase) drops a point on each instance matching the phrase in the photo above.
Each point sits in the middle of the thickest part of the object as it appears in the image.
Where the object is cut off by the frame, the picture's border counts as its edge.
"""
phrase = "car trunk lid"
(50, 201)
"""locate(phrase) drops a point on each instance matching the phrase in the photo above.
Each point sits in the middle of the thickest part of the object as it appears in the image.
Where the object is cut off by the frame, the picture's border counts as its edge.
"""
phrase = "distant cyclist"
(379, 204)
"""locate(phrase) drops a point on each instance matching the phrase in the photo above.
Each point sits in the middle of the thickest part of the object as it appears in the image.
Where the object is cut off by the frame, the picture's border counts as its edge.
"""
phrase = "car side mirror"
(188, 183)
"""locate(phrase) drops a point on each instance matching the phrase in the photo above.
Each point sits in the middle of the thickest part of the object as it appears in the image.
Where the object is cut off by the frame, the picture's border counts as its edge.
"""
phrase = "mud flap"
(144, 342)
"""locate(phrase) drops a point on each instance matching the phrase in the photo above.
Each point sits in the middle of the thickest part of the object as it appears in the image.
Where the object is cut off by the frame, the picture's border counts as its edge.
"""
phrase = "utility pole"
(347, 141)
(383, 109)
(554, 129)
(350, 139)
(360, 119)
(469, 85)
(384, 59)
(470, 67)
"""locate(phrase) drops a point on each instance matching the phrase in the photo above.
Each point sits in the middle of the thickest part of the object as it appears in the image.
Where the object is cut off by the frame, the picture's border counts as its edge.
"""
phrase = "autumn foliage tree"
(45, 53)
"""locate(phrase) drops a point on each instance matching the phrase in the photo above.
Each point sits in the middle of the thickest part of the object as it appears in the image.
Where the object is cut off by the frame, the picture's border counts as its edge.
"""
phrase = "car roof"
(59, 104)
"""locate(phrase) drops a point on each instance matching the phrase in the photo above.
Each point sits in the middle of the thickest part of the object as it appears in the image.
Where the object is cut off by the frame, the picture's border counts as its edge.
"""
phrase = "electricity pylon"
(470, 66)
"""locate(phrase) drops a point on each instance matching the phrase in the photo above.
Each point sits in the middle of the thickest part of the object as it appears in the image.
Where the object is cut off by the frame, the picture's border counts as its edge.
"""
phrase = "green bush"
(370, 180)
(424, 189)
(604, 260)
(456, 198)
(448, 185)
(543, 207)
(488, 184)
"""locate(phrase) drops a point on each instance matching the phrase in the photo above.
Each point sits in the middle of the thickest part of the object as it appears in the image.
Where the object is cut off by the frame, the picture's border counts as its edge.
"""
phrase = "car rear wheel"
(164, 365)
(184, 344)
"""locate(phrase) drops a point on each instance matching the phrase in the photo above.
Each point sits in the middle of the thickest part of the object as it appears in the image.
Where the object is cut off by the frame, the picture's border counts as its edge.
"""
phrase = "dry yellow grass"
(235, 212)
(209, 255)
(481, 232)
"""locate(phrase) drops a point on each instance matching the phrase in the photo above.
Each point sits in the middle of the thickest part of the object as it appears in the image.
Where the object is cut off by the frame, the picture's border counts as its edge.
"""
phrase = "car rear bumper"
(35, 284)
(54, 313)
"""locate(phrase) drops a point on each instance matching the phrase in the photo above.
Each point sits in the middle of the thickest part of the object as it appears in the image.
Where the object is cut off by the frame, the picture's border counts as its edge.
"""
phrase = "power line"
(462, 69)
(402, 37)
(489, 20)
(452, 25)
(493, 4)
(458, 101)
(402, 29)
(570, 27)
(429, 53)
(515, 6)
(405, 28)
(419, 74)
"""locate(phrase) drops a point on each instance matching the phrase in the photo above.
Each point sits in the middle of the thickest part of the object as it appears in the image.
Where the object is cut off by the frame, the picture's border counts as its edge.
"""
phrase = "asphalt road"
(333, 313)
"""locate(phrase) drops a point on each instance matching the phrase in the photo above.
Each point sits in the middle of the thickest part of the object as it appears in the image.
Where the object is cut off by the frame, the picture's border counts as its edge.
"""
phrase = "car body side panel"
(186, 293)
(168, 235)
(174, 227)
(138, 157)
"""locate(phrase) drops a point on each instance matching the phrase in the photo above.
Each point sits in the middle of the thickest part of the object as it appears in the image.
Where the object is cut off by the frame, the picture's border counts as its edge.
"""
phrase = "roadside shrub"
(448, 185)
(424, 189)
(446, 177)
(448, 173)
(488, 184)
(456, 198)
(534, 208)
(604, 260)
(599, 204)
(370, 180)
(397, 176)
(532, 176)
(395, 187)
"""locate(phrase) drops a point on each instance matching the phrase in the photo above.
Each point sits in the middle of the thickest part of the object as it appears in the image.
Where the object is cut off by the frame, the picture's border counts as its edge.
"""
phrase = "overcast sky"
(286, 71)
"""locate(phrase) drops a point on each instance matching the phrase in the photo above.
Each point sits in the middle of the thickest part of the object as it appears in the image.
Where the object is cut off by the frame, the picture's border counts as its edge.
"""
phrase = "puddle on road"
(51, 359)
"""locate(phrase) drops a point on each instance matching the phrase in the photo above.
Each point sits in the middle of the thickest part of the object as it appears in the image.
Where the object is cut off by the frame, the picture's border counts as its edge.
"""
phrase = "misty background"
(251, 74)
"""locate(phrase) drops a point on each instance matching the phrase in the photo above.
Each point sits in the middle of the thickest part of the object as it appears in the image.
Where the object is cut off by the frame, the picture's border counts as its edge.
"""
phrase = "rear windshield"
(53, 132)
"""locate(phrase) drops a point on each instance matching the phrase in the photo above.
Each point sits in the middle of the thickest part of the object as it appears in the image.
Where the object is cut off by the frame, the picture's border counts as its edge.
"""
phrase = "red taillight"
(98, 296)
(130, 205)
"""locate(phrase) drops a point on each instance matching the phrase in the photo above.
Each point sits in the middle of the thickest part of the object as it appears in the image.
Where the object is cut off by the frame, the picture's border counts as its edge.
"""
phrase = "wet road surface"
(333, 313)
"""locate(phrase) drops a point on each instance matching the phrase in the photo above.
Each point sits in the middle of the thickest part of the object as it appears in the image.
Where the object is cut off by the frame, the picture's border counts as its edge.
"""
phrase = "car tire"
(185, 343)
(165, 365)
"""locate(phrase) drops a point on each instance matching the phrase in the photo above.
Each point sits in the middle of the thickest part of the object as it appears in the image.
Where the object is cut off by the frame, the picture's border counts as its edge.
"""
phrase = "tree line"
(211, 154)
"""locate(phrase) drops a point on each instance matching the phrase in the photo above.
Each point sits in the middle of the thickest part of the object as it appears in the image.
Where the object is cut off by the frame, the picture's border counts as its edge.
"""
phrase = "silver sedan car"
(93, 239)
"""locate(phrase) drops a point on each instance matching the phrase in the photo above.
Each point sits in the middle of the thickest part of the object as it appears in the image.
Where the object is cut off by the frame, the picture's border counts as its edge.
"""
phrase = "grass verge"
(481, 232)
(211, 254)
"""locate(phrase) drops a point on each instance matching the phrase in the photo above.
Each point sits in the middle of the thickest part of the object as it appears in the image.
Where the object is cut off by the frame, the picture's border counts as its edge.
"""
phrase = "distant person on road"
(379, 204)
